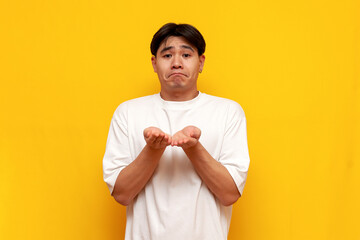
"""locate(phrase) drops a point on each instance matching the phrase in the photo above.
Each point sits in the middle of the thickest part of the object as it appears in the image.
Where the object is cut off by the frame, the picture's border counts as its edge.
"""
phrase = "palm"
(187, 137)
(155, 138)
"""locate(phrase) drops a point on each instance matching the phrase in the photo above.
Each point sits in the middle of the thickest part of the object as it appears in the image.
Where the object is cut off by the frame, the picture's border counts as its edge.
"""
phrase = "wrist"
(192, 148)
(155, 149)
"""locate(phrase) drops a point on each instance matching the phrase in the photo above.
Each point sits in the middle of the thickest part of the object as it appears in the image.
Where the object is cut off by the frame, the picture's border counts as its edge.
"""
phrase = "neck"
(178, 95)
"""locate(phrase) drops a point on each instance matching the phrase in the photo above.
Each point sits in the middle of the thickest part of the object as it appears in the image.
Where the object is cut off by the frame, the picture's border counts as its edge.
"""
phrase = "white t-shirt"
(175, 203)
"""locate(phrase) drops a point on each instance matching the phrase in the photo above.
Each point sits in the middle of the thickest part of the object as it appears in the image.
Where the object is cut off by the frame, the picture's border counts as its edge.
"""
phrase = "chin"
(176, 86)
(176, 82)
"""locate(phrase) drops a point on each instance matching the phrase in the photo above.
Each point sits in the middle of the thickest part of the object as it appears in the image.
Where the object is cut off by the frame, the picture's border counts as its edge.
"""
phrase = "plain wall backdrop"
(293, 66)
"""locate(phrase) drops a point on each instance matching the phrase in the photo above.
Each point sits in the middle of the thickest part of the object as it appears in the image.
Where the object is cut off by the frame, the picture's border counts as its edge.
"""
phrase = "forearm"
(134, 177)
(214, 174)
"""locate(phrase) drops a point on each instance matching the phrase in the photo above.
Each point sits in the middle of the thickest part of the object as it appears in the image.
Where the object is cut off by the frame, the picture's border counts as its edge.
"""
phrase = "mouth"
(177, 74)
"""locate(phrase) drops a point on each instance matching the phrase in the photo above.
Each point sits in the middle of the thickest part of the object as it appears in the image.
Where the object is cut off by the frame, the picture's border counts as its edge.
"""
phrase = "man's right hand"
(132, 179)
(156, 139)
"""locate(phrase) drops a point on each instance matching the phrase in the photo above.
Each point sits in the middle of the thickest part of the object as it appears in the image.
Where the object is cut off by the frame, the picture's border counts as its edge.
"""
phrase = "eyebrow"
(182, 46)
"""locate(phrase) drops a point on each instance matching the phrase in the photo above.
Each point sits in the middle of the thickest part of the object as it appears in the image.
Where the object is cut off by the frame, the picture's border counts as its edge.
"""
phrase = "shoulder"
(135, 104)
(228, 105)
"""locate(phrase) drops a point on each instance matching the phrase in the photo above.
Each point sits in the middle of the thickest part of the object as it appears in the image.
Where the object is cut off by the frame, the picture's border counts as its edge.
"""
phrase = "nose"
(176, 63)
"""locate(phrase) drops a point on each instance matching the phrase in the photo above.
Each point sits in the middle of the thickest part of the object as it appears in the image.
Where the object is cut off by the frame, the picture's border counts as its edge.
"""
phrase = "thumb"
(195, 135)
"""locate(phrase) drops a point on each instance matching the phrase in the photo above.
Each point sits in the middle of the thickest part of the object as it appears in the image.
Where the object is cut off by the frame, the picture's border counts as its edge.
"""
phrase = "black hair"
(190, 33)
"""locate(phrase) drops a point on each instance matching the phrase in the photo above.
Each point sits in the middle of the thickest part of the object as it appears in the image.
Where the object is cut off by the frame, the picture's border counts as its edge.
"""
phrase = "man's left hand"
(187, 137)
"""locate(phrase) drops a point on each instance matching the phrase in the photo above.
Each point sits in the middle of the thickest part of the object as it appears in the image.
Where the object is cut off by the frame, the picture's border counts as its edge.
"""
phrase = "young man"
(177, 159)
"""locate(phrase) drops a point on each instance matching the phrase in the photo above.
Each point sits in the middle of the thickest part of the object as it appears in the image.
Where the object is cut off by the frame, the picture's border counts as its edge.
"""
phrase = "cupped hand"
(156, 139)
(187, 137)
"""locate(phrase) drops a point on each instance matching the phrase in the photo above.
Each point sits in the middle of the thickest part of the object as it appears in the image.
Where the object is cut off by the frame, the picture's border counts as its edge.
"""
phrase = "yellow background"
(293, 66)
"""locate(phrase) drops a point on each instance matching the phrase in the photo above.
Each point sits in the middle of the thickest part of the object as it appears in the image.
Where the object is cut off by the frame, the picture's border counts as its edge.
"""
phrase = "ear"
(153, 61)
(201, 61)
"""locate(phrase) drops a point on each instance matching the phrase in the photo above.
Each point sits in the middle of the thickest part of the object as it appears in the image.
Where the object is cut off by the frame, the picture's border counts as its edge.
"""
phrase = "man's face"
(177, 64)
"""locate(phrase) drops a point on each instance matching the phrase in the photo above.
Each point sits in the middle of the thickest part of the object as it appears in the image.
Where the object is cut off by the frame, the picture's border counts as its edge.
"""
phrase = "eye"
(186, 55)
(167, 56)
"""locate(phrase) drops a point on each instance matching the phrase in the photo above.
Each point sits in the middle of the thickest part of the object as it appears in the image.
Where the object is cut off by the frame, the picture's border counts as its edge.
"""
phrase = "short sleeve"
(234, 152)
(117, 153)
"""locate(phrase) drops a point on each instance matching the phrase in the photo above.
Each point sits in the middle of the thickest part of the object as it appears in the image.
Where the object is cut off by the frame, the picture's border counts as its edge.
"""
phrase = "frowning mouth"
(177, 74)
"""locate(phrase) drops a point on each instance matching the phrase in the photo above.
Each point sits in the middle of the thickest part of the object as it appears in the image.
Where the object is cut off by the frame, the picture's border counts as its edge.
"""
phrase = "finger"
(173, 140)
(169, 140)
(146, 133)
(155, 136)
(194, 135)
(149, 133)
(149, 130)
(166, 140)
(166, 137)
(151, 136)
(159, 138)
